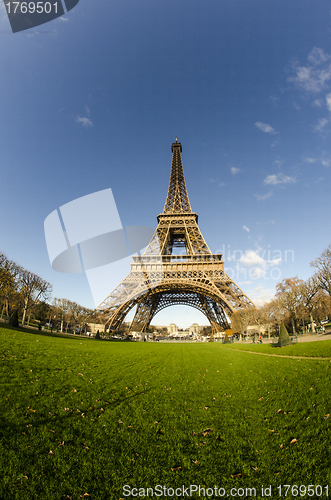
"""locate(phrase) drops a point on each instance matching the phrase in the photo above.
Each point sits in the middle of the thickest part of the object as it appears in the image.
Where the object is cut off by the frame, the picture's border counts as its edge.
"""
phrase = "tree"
(323, 273)
(9, 272)
(289, 295)
(309, 289)
(63, 307)
(8, 269)
(32, 288)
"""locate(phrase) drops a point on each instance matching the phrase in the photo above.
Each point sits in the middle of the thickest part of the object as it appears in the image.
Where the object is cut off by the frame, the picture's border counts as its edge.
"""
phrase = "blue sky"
(94, 100)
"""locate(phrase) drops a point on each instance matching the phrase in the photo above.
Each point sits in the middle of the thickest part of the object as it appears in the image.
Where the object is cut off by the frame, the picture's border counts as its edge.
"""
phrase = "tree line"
(301, 304)
(26, 295)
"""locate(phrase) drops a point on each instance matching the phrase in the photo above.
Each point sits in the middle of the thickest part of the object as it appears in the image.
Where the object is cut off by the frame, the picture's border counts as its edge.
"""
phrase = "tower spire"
(177, 198)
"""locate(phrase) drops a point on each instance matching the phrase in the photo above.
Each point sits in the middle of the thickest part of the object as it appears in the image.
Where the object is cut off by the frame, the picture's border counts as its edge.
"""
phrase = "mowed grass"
(81, 418)
(321, 349)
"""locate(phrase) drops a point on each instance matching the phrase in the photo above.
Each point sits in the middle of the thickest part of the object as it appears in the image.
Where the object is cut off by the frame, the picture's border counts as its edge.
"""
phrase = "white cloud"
(274, 100)
(246, 228)
(320, 125)
(324, 160)
(221, 184)
(328, 101)
(317, 56)
(280, 178)
(257, 272)
(260, 295)
(265, 127)
(64, 19)
(86, 122)
(268, 222)
(314, 76)
(264, 196)
(235, 170)
(252, 258)
(318, 103)
(310, 160)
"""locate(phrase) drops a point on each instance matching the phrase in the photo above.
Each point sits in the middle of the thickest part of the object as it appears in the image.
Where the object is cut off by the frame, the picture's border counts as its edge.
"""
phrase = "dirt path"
(283, 355)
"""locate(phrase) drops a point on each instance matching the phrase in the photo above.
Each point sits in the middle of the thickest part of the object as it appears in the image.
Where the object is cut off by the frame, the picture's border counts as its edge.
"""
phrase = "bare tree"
(9, 272)
(32, 288)
(309, 290)
(63, 307)
(289, 294)
(323, 273)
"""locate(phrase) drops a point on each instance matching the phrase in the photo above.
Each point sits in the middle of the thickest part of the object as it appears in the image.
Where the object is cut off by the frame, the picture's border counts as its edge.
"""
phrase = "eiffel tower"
(159, 278)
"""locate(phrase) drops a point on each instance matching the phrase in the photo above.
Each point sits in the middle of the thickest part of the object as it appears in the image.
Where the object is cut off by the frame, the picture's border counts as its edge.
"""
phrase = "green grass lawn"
(82, 418)
(322, 348)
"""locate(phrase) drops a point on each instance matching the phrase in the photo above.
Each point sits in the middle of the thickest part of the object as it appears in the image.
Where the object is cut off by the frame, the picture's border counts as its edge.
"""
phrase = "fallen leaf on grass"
(50, 452)
(120, 422)
(293, 441)
(206, 408)
(278, 411)
(236, 475)
(176, 468)
(207, 431)
(219, 438)
(159, 431)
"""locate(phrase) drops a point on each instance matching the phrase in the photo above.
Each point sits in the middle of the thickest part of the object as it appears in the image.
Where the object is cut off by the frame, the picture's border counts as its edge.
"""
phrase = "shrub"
(283, 334)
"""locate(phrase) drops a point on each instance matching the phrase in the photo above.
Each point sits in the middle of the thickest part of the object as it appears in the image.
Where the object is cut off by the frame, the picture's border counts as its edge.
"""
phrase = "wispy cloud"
(252, 258)
(274, 99)
(261, 295)
(274, 179)
(246, 228)
(268, 222)
(324, 160)
(320, 125)
(315, 75)
(310, 160)
(83, 120)
(235, 170)
(64, 19)
(263, 197)
(265, 127)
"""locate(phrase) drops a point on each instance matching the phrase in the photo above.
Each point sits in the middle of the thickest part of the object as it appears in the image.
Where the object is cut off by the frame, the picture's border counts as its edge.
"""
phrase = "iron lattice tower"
(159, 278)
